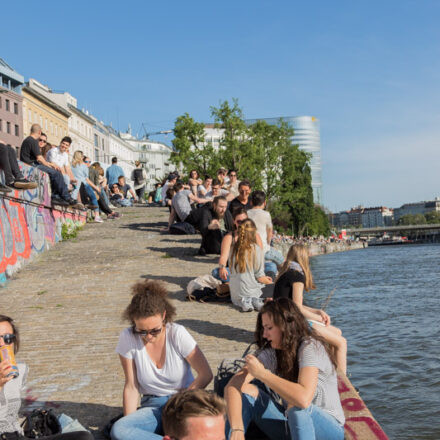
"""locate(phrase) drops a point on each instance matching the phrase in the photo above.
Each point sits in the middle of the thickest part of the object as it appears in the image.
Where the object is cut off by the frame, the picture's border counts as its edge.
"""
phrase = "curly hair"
(243, 252)
(295, 330)
(149, 299)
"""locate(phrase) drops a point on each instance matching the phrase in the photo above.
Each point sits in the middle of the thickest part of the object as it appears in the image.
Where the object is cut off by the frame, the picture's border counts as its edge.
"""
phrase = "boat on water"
(389, 241)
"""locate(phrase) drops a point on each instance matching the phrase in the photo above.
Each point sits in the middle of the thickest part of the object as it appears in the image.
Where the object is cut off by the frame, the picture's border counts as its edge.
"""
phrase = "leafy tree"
(432, 217)
(190, 149)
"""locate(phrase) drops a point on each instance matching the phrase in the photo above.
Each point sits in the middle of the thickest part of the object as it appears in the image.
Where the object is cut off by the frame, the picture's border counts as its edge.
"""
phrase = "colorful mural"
(28, 224)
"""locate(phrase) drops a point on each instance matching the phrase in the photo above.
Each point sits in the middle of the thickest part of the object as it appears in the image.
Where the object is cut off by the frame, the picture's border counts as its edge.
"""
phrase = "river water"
(387, 303)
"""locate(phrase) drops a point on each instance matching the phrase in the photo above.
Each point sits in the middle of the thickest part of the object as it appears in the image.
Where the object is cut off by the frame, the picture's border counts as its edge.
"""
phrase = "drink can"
(7, 352)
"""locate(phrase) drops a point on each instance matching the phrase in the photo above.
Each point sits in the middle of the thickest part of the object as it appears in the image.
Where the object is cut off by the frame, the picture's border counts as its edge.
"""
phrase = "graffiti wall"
(28, 224)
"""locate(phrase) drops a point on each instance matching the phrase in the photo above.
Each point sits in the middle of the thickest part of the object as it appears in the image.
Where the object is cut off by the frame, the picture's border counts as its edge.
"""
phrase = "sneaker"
(56, 200)
(117, 214)
(202, 252)
(23, 184)
(247, 308)
(98, 219)
(5, 189)
(75, 204)
(90, 206)
(111, 217)
(257, 303)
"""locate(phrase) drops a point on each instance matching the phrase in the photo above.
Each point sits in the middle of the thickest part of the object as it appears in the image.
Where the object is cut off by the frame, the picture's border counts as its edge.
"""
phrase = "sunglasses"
(87, 161)
(144, 333)
(8, 338)
(42, 140)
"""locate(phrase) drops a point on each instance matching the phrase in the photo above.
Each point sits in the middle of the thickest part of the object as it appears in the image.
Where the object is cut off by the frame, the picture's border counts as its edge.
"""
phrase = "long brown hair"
(295, 329)
(300, 254)
(243, 252)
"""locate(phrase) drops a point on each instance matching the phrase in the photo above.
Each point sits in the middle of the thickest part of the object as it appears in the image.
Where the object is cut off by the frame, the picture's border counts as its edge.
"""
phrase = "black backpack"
(41, 423)
(138, 176)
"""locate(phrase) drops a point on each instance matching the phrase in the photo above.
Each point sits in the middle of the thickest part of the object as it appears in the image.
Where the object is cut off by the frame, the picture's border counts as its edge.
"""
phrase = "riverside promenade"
(68, 304)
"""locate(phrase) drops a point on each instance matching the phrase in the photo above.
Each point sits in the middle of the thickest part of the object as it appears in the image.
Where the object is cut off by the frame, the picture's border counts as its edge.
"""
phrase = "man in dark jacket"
(215, 223)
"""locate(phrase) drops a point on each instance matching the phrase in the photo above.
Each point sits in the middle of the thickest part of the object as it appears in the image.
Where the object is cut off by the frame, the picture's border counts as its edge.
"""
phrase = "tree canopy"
(260, 152)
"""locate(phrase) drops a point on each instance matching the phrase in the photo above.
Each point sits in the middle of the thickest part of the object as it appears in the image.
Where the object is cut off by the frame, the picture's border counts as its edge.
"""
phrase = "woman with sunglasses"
(296, 393)
(11, 388)
(157, 356)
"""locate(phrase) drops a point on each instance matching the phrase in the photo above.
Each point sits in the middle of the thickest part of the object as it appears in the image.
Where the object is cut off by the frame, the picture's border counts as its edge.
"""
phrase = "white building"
(377, 217)
(126, 153)
(155, 157)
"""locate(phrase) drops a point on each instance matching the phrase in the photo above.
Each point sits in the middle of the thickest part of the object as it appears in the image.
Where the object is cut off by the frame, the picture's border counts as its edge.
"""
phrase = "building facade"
(11, 106)
(38, 108)
(377, 217)
(417, 208)
(126, 153)
(154, 156)
(81, 131)
(307, 136)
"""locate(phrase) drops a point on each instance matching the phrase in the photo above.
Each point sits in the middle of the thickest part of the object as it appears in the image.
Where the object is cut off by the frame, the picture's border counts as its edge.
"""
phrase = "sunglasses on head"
(8, 338)
(144, 333)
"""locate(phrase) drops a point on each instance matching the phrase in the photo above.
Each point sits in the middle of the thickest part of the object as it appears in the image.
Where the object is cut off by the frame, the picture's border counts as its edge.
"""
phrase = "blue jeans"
(274, 255)
(57, 184)
(311, 423)
(144, 424)
(92, 195)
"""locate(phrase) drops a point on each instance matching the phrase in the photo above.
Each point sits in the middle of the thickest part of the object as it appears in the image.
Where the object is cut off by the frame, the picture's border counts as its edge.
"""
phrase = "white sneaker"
(257, 303)
(98, 219)
(246, 305)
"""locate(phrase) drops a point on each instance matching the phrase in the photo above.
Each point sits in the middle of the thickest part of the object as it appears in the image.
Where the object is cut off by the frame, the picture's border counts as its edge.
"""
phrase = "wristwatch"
(221, 266)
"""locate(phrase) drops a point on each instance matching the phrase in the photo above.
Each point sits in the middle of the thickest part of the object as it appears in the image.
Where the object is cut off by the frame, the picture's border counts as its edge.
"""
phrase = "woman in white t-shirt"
(157, 356)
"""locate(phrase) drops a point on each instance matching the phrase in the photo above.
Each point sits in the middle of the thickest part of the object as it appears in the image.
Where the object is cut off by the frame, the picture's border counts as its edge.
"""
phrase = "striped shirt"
(313, 354)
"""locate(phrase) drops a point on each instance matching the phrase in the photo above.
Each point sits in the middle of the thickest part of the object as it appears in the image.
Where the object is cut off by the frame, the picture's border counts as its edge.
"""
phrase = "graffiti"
(28, 224)
(359, 423)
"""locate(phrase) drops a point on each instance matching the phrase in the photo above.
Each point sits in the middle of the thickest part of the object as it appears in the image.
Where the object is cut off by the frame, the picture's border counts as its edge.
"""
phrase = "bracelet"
(221, 266)
(237, 429)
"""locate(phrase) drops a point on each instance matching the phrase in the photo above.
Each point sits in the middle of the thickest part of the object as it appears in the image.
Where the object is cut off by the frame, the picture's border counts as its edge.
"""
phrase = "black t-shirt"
(283, 286)
(29, 150)
(237, 204)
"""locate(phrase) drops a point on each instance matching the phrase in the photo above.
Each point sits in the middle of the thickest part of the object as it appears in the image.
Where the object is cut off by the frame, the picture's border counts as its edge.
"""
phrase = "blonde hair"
(243, 252)
(300, 254)
(77, 158)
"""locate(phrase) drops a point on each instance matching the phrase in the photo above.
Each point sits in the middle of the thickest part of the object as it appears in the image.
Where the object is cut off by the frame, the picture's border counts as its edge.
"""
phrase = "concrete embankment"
(74, 294)
(324, 248)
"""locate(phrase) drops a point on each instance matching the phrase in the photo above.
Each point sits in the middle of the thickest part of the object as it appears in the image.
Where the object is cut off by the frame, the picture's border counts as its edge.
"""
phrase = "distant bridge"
(397, 229)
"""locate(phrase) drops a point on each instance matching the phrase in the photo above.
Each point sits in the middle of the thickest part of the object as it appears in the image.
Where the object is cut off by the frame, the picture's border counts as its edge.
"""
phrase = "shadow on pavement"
(184, 253)
(196, 239)
(182, 282)
(92, 416)
(145, 227)
(218, 330)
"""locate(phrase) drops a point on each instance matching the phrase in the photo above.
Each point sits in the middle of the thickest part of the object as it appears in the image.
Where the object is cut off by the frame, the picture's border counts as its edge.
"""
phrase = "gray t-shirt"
(245, 284)
(10, 401)
(312, 353)
(181, 204)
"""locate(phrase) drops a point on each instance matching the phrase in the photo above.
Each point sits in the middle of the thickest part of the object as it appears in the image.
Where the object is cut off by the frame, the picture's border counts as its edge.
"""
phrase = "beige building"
(38, 109)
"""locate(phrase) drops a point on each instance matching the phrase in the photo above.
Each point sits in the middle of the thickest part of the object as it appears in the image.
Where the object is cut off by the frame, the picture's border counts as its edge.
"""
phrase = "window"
(96, 141)
(46, 124)
(8, 127)
(15, 108)
(7, 105)
(41, 121)
(56, 130)
(1, 124)
(30, 116)
(17, 131)
(102, 143)
(96, 154)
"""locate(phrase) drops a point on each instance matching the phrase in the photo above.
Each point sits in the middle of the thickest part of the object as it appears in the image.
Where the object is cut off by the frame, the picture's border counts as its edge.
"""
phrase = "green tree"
(432, 217)
(190, 149)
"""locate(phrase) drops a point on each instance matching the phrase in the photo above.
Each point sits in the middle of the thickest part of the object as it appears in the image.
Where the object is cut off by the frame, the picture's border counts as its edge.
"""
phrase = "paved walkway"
(68, 305)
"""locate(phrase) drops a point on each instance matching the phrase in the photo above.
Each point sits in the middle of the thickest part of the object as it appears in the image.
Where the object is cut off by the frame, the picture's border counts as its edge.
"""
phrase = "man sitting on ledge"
(30, 153)
(216, 222)
(194, 414)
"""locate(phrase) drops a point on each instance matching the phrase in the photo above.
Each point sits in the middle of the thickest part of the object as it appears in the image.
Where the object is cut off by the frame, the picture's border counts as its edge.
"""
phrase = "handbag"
(41, 423)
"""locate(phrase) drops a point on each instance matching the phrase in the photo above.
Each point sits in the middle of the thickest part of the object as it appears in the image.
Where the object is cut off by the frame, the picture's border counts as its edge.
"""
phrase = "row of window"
(7, 128)
(8, 106)
(45, 124)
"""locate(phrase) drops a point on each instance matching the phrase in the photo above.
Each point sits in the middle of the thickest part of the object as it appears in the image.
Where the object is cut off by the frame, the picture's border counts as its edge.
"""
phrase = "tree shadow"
(145, 227)
(196, 239)
(182, 282)
(218, 330)
(184, 253)
(92, 416)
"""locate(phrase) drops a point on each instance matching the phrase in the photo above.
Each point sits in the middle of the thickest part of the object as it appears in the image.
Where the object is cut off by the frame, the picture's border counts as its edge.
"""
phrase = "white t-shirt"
(176, 371)
(222, 191)
(262, 220)
(55, 156)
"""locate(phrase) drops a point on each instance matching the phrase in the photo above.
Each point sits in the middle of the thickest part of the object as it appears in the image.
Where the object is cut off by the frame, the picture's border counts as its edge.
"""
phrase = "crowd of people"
(287, 388)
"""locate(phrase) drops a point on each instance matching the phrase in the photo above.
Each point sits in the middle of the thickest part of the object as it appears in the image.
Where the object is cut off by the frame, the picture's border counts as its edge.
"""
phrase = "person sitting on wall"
(215, 222)
(113, 172)
(204, 187)
(155, 196)
(117, 197)
(171, 180)
(126, 188)
(242, 200)
(194, 414)
(60, 156)
(30, 153)
(13, 177)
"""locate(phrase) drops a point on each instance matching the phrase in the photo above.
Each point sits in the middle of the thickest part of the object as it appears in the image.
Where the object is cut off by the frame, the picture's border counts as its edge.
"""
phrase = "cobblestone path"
(68, 305)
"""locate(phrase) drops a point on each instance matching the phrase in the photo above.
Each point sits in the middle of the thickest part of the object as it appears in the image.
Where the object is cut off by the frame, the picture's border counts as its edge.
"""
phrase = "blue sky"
(369, 70)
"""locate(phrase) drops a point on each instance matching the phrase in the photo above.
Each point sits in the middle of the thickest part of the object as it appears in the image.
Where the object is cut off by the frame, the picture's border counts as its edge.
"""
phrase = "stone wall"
(28, 224)
(325, 248)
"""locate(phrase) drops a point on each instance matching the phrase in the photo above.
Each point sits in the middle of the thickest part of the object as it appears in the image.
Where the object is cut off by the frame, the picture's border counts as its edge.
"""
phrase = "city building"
(39, 108)
(307, 136)
(417, 208)
(11, 106)
(377, 217)
(155, 157)
(126, 153)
